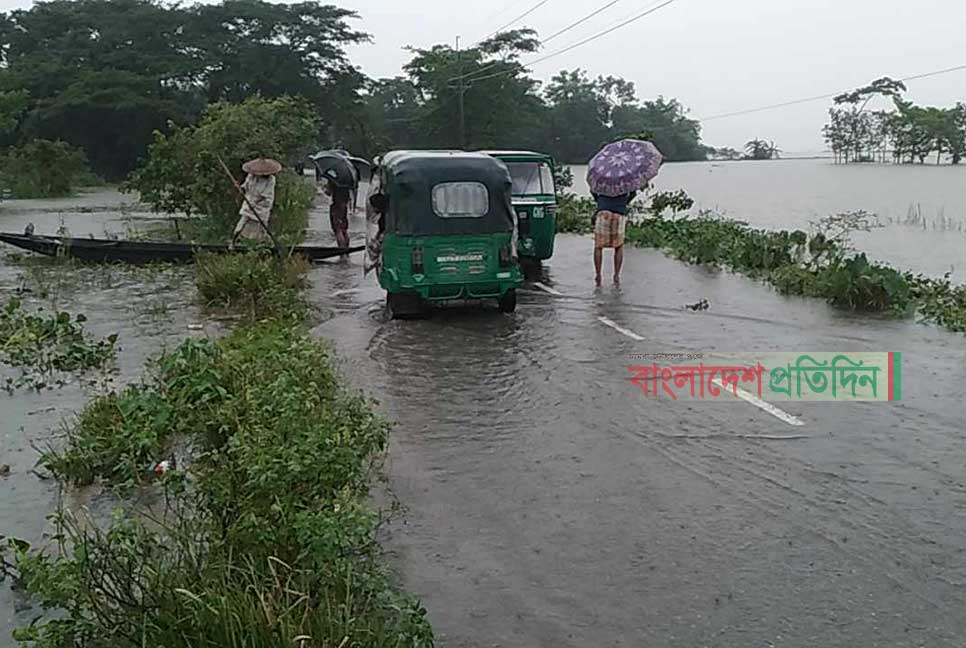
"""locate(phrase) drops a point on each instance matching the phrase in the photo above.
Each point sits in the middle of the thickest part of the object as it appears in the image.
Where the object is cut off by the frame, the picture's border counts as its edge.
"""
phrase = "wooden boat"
(92, 249)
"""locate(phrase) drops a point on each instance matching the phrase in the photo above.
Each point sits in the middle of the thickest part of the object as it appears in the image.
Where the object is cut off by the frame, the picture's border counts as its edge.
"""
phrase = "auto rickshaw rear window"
(460, 200)
(530, 178)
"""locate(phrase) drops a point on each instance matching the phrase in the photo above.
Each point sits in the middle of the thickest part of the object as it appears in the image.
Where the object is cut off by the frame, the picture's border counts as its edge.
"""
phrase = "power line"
(566, 29)
(582, 42)
(821, 97)
(517, 19)
(546, 40)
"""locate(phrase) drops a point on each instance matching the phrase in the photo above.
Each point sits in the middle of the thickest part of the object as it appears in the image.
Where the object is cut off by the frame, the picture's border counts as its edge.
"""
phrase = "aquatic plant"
(254, 284)
(45, 347)
(265, 539)
(821, 263)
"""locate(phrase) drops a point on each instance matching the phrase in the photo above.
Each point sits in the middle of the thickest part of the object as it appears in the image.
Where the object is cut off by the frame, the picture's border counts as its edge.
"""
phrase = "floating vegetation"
(45, 347)
(575, 213)
(266, 538)
(820, 263)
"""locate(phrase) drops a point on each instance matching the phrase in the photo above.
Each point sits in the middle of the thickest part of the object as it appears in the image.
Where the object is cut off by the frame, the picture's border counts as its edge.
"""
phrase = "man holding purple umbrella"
(614, 176)
(609, 225)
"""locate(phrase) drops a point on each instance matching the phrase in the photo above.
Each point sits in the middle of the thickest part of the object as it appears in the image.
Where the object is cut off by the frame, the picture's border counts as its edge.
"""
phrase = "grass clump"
(254, 284)
(266, 539)
(47, 346)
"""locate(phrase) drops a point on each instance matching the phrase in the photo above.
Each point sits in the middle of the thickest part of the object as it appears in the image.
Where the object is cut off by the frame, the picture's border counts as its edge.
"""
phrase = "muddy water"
(922, 208)
(148, 309)
(549, 504)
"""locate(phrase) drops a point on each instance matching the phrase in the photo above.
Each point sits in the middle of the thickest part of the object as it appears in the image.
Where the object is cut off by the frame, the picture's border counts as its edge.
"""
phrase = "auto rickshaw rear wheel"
(402, 305)
(508, 301)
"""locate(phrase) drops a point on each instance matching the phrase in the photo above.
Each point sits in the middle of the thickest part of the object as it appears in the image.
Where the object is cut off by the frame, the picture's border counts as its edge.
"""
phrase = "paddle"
(278, 247)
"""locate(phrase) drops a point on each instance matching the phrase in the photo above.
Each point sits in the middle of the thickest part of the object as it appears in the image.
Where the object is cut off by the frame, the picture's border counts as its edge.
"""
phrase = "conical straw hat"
(262, 167)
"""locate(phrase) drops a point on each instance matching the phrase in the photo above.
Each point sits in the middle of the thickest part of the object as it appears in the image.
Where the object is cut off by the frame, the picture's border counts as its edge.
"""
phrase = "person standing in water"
(259, 190)
(339, 212)
(609, 226)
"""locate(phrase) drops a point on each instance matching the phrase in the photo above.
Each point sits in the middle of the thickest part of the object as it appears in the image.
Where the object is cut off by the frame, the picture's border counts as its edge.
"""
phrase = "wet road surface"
(550, 504)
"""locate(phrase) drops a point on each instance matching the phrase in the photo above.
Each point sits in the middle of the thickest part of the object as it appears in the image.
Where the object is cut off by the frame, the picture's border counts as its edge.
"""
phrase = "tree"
(182, 173)
(675, 135)
(499, 100)
(105, 74)
(724, 153)
(759, 149)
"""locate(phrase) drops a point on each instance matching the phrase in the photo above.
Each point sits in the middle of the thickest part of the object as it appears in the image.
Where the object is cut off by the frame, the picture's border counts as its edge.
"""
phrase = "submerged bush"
(266, 538)
(255, 284)
(44, 169)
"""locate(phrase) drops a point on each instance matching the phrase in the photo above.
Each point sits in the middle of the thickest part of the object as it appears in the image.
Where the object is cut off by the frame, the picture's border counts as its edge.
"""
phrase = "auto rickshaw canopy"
(445, 192)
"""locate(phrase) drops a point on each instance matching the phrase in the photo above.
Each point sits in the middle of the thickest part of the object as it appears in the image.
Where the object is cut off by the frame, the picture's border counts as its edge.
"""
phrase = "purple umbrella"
(622, 167)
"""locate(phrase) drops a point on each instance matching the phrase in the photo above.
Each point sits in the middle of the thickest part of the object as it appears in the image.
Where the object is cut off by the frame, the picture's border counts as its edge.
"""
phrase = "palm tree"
(759, 149)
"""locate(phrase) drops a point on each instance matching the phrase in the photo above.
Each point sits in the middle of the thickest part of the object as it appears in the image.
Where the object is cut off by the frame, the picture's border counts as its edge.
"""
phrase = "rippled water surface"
(547, 503)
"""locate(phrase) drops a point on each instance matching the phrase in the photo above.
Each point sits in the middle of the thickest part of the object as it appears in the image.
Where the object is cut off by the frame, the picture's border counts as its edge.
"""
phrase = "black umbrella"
(324, 159)
(338, 170)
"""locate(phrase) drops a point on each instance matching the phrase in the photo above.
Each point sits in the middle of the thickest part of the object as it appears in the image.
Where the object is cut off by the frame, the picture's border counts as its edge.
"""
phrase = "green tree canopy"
(104, 74)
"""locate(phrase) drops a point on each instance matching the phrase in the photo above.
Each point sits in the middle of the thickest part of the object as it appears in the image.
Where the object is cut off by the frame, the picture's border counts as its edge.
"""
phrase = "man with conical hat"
(259, 188)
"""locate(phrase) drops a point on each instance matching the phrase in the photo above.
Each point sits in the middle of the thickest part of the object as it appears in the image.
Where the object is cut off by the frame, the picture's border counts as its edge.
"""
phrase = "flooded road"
(547, 503)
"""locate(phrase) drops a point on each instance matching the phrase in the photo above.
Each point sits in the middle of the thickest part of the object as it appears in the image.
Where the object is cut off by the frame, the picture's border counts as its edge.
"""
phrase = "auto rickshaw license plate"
(452, 258)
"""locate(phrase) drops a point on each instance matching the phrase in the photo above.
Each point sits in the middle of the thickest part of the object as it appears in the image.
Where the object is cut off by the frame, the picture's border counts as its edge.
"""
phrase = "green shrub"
(574, 214)
(44, 169)
(793, 279)
(265, 540)
(796, 263)
(182, 173)
(255, 284)
(856, 284)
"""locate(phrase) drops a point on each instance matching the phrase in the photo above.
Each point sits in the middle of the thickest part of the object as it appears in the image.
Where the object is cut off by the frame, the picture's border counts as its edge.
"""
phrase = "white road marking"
(762, 405)
(620, 329)
(742, 394)
(345, 292)
(548, 289)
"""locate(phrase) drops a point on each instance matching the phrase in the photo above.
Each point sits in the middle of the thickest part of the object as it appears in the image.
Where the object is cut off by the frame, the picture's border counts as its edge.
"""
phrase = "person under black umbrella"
(341, 182)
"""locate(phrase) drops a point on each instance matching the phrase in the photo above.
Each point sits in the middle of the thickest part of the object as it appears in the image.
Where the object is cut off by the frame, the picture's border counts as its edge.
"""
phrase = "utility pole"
(462, 92)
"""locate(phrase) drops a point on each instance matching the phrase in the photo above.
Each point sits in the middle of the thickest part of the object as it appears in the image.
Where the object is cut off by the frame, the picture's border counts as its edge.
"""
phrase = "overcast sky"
(715, 56)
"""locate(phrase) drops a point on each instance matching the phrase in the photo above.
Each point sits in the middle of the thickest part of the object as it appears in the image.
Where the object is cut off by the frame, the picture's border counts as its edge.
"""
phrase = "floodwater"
(547, 503)
(149, 310)
(922, 208)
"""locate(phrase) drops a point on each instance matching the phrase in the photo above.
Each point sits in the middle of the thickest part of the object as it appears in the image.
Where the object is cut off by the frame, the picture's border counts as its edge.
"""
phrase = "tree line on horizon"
(909, 133)
(103, 75)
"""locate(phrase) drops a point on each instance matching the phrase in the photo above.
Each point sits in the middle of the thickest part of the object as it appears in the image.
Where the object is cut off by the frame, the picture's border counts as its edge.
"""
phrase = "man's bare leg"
(598, 261)
(618, 263)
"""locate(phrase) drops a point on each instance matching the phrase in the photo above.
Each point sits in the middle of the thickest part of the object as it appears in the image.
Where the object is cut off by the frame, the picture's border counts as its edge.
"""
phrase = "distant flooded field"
(922, 208)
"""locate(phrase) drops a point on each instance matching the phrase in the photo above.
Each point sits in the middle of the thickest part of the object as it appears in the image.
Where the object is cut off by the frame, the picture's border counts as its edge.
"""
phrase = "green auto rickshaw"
(535, 202)
(441, 228)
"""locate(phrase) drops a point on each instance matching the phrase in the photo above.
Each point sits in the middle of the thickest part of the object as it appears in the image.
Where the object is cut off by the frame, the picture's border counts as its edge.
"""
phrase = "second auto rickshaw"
(441, 227)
